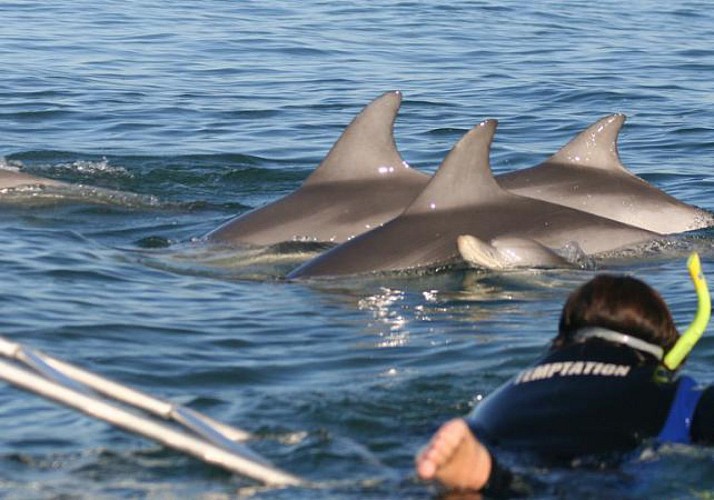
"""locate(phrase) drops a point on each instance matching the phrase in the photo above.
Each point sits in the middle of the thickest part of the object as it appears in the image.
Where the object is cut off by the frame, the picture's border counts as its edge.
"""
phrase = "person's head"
(620, 303)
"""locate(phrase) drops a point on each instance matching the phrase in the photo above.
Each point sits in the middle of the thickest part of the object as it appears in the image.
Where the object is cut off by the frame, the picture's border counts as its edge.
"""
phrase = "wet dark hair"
(621, 303)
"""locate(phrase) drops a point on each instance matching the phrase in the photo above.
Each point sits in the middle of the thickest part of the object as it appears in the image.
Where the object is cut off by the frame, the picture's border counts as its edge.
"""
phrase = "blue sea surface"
(204, 110)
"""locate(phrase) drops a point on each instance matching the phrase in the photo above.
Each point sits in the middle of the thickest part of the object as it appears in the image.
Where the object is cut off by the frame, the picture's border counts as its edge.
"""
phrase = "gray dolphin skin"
(362, 183)
(463, 198)
(587, 174)
(12, 179)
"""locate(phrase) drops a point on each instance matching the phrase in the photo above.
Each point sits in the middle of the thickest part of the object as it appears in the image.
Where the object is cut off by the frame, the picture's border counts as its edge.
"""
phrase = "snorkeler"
(607, 383)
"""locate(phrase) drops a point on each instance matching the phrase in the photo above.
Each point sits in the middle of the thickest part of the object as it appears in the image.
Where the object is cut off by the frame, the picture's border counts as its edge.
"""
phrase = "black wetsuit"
(589, 398)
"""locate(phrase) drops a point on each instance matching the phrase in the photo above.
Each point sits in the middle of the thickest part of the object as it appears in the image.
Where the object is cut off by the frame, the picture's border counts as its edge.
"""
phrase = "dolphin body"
(508, 253)
(23, 188)
(362, 183)
(463, 198)
(587, 174)
(13, 179)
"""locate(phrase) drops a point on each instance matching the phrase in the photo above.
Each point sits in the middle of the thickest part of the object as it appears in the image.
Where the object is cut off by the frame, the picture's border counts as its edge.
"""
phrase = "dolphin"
(463, 198)
(362, 183)
(13, 179)
(20, 187)
(508, 253)
(587, 174)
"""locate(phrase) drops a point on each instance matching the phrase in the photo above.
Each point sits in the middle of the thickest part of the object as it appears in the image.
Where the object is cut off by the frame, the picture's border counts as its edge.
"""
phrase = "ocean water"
(203, 110)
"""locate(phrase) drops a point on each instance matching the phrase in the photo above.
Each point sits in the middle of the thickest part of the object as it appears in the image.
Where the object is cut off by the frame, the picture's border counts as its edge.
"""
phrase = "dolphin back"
(362, 183)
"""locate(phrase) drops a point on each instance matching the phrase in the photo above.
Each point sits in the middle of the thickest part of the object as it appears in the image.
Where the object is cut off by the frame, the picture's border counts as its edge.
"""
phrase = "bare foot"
(455, 458)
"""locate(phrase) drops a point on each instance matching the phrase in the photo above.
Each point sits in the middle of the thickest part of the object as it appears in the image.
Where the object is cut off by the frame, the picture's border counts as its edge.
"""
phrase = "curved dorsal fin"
(366, 149)
(595, 147)
(464, 177)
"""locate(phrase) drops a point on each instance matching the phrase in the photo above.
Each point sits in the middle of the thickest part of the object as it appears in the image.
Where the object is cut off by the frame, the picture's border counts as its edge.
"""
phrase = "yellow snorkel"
(693, 333)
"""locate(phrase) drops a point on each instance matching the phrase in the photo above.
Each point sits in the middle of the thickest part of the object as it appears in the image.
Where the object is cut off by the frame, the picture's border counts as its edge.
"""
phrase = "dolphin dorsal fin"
(594, 147)
(366, 149)
(464, 177)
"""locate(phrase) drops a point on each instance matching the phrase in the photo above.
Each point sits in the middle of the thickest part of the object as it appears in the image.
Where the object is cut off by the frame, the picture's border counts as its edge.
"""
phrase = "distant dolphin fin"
(464, 178)
(594, 147)
(366, 149)
(508, 253)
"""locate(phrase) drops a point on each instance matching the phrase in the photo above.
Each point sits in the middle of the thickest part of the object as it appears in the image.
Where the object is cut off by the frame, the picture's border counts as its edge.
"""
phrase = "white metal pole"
(146, 427)
(102, 385)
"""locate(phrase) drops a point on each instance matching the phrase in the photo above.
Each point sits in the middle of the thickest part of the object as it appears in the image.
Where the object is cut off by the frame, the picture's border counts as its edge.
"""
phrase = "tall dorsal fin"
(594, 147)
(464, 177)
(366, 149)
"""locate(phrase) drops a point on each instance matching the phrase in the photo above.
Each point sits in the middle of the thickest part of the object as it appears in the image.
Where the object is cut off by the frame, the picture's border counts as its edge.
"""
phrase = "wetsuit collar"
(619, 338)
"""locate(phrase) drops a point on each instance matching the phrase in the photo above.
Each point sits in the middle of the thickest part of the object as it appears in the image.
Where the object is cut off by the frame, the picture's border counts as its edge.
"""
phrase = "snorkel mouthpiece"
(693, 333)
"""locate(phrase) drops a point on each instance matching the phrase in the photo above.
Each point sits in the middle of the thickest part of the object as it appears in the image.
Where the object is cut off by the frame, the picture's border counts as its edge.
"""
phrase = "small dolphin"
(463, 198)
(362, 183)
(587, 174)
(508, 253)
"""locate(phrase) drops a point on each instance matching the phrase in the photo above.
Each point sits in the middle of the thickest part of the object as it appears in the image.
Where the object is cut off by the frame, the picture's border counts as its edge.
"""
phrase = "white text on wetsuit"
(570, 369)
